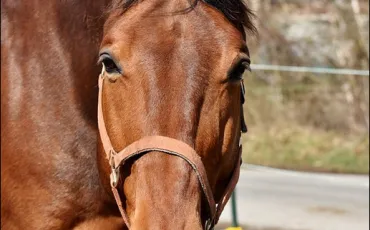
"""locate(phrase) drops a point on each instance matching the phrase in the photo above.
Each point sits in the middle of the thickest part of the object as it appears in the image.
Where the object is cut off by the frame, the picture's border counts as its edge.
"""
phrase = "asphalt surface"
(273, 199)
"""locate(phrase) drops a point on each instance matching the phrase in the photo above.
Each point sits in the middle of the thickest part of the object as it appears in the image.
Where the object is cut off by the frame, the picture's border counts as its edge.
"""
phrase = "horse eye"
(109, 64)
(236, 72)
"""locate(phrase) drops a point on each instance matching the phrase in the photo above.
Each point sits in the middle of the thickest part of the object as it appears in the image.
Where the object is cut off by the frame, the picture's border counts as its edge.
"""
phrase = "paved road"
(272, 199)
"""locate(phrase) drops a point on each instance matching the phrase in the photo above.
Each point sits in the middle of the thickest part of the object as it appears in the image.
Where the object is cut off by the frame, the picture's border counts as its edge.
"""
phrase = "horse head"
(170, 109)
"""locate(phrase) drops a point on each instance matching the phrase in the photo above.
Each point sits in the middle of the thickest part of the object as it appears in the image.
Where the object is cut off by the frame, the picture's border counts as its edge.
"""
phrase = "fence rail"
(305, 69)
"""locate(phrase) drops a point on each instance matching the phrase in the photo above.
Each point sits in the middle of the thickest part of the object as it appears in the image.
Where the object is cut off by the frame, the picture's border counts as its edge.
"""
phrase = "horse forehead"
(204, 26)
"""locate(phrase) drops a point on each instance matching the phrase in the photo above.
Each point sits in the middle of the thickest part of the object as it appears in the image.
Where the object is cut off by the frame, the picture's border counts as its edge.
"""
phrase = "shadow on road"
(224, 225)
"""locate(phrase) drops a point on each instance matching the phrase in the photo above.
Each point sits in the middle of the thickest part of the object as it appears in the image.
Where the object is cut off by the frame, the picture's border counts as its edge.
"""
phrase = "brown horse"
(169, 97)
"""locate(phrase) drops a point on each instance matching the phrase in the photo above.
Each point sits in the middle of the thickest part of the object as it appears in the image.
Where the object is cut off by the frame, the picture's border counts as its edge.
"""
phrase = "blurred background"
(313, 123)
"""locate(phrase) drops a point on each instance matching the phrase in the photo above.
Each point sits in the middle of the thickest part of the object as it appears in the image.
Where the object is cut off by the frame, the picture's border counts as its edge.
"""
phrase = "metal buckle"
(114, 175)
(208, 225)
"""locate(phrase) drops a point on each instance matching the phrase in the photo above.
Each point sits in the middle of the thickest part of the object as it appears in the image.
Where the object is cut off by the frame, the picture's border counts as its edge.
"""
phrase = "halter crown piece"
(165, 145)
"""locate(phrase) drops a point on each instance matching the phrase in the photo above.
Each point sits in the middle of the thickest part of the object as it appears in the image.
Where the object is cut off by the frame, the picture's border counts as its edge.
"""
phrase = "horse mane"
(236, 11)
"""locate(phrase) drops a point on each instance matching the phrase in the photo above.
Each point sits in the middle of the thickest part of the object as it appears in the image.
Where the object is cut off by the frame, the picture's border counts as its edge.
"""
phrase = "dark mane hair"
(236, 11)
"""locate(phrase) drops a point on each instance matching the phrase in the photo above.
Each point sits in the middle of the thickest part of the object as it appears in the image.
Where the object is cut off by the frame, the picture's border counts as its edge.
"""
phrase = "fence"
(278, 68)
(318, 70)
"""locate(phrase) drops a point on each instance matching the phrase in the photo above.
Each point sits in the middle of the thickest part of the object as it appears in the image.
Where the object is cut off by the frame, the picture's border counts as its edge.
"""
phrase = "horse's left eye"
(109, 64)
(236, 72)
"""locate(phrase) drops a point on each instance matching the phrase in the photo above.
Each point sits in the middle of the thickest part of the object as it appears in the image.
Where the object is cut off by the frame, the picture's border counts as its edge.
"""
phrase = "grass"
(306, 149)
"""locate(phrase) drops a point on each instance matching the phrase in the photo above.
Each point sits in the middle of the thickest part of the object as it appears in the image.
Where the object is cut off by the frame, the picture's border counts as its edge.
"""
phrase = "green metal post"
(234, 211)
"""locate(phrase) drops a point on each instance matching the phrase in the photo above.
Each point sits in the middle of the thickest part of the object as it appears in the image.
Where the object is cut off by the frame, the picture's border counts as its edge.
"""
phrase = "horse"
(121, 114)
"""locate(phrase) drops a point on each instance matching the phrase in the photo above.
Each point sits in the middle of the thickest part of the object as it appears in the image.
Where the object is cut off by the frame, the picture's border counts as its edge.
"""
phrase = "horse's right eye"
(236, 72)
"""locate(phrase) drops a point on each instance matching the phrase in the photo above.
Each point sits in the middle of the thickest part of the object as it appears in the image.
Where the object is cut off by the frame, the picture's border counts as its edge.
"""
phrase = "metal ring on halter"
(114, 175)
(208, 224)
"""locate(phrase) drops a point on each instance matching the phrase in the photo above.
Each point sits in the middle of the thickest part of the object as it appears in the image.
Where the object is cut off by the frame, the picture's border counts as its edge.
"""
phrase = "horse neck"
(82, 28)
(48, 90)
(49, 52)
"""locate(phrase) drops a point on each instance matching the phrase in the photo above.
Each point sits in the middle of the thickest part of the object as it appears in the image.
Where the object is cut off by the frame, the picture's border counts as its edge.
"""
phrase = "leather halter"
(169, 146)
